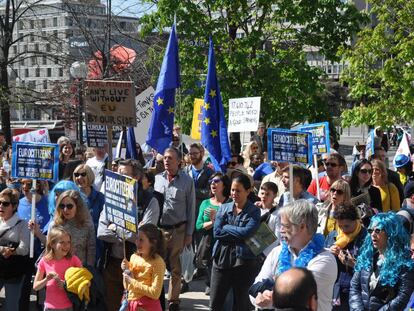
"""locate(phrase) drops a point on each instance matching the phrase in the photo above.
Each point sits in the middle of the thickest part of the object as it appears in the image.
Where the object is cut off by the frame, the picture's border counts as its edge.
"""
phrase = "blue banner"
(320, 136)
(289, 146)
(96, 135)
(35, 161)
(121, 194)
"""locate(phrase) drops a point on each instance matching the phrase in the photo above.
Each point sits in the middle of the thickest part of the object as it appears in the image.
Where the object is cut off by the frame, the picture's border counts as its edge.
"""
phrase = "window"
(56, 61)
(47, 47)
(32, 24)
(55, 33)
(22, 61)
(45, 84)
(31, 37)
(43, 23)
(36, 47)
(44, 60)
(26, 72)
(24, 48)
(37, 72)
(55, 22)
(49, 72)
(33, 58)
(60, 72)
(14, 49)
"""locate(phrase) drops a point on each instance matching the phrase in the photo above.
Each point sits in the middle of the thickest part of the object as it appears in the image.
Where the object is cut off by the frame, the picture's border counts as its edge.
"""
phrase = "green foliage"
(381, 67)
(268, 60)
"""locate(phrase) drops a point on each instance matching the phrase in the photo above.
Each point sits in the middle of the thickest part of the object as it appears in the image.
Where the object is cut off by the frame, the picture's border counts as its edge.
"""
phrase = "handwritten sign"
(197, 118)
(35, 161)
(320, 136)
(37, 136)
(244, 114)
(289, 146)
(121, 200)
(110, 103)
(96, 135)
(144, 108)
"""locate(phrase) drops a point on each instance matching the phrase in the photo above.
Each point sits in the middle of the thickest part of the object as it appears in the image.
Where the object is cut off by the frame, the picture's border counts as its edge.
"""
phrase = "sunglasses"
(5, 203)
(68, 206)
(331, 164)
(214, 180)
(376, 230)
(338, 191)
(365, 171)
(79, 174)
(232, 164)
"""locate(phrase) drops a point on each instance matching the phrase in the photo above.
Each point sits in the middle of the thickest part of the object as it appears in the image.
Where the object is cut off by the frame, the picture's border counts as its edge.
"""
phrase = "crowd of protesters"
(340, 241)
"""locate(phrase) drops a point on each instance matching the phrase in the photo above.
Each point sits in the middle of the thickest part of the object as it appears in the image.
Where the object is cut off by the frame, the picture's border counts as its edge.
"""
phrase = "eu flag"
(130, 144)
(214, 126)
(162, 120)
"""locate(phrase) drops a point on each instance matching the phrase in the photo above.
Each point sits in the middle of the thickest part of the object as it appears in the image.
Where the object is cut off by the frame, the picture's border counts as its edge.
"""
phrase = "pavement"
(195, 299)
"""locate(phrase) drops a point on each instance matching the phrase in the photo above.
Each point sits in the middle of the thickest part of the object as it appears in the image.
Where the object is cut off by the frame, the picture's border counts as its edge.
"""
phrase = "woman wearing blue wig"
(384, 275)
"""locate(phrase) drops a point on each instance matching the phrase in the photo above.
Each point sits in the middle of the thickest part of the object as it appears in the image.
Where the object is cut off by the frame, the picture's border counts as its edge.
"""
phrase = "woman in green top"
(219, 193)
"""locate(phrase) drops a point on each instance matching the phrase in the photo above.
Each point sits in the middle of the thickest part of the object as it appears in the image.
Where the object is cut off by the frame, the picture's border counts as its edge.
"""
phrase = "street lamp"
(79, 71)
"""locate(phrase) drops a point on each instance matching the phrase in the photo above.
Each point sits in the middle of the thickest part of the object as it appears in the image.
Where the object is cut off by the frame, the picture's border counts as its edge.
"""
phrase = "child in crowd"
(52, 267)
(269, 213)
(144, 273)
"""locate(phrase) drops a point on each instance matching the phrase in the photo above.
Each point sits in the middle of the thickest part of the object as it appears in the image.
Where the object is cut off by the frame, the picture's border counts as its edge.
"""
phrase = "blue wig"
(60, 187)
(397, 253)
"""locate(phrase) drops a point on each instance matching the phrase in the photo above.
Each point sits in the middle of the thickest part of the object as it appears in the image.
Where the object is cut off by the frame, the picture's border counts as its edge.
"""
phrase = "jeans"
(12, 293)
(239, 278)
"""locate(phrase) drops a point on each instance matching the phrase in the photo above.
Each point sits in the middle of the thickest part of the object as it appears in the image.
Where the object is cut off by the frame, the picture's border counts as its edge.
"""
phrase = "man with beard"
(301, 247)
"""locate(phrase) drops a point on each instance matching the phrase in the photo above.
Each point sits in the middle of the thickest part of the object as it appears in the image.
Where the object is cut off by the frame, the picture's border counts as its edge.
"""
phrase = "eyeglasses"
(80, 174)
(214, 180)
(5, 203)
(231, 163)
(68, 206)
(365, 171)
(338, 191)
(375, 230)
(332, 164)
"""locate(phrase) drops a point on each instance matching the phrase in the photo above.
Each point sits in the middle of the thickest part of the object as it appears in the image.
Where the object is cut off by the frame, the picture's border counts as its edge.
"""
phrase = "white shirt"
(323, 267)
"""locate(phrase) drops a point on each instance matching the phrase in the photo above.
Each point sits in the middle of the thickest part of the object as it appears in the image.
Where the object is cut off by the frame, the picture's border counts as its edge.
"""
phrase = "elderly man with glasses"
(301, 247)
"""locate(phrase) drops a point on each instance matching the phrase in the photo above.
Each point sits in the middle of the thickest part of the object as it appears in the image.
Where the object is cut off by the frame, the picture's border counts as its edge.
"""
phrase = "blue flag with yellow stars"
(214, 125)
(162, 120)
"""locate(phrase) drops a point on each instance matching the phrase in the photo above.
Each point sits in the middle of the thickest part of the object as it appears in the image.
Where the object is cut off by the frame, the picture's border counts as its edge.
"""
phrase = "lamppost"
(79, 71)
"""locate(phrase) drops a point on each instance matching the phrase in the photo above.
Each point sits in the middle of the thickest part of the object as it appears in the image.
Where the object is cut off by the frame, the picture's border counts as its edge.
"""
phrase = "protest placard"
(110, 103)
(96, 135)
(35, 161)
(369, 147)
(320, 136)
(144, 108)
(289, 146)
(37, 136)
(197, 118)
(121, 200)
(244, 114)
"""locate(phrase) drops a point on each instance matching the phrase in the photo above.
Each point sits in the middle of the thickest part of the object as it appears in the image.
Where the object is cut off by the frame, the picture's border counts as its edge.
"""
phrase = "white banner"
(38, 136)
(244, 114)
(144, 108)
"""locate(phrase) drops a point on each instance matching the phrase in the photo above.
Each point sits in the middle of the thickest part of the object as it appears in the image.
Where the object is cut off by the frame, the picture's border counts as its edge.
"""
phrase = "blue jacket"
(361, 298)
(243, 226)
(96, 201)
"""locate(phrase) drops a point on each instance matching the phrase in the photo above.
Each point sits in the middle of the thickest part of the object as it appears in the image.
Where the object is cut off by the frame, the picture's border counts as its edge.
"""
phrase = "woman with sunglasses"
(14, 248)
(339, 194)
(361, 182)
(384, 275)
(345, 243)
(73, 215)
(219, 194)
(390, 197)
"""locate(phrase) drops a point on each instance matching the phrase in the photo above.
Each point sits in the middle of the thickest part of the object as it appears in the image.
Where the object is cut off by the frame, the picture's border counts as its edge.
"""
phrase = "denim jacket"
(236, 228)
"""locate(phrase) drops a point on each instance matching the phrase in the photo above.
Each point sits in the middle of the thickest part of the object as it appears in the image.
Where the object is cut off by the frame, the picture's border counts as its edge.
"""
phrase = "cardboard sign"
(121, 200)
(96, 135)
(144, 108)
(320, 136)
(197, 118)
(38, 136)
(289, 146)
(110, 103)
(244, 114)
(35, 161)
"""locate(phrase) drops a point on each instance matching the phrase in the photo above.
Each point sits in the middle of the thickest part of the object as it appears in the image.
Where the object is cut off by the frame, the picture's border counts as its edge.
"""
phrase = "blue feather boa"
(312, 249)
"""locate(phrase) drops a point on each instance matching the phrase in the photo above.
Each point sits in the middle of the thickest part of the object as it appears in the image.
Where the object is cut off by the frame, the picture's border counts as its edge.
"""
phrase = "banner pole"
(315, 164)
(32, 216)
(291, 182)
(110, 147)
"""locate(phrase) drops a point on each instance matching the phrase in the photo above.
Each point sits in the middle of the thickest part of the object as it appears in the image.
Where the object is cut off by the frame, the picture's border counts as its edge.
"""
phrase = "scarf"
(343, 239)
(313, 248)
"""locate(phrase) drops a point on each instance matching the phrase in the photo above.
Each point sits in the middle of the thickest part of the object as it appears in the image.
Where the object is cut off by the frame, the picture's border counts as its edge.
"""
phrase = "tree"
(260, 50)
(380, 74)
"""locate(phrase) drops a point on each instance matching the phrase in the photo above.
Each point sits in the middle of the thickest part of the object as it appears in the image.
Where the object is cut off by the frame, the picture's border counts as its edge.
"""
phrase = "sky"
(128, 7)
